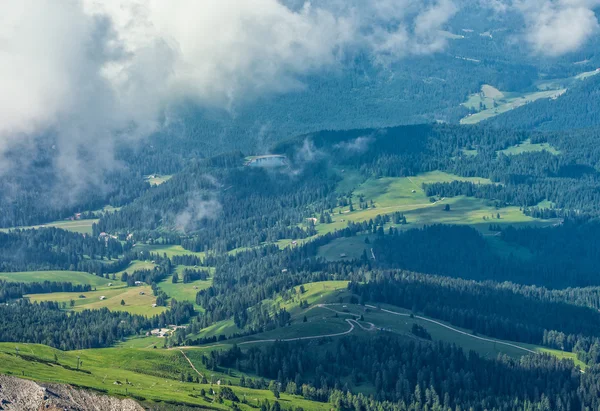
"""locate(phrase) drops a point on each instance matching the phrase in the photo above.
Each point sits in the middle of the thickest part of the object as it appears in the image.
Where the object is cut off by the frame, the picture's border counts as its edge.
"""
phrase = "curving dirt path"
(188, 360)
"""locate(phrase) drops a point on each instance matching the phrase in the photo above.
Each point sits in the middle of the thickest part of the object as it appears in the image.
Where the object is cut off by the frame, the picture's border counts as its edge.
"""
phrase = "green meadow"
(169, 250)
(144, 374)
(76, 226)
(75, 277)
(406, 195)
(183, 291)
(156, 180)
(528, 147)
(135, 301)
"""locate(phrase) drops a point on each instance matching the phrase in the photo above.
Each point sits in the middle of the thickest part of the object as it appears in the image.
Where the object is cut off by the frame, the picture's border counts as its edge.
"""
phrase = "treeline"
(506, 311)
(555, 257)
(577, 108)
(234, 207)
(13, 290)
(45, 323)
(33, 194)
(55, 249)
(408, 375)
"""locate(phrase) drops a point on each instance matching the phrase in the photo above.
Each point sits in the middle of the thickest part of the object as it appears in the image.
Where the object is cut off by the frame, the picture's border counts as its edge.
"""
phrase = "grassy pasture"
(554, 84)
(510, 102)
(169, 250)
(490, 102)
(224, 327)
(316, 293)
(156, 180)
(77, 226)
(136, 266)
(353, 247)
(146, 373)
(75, 277)
(135, 303)
(405, 195)
(469, 152)
(484, 99)
(402, 325)
(321, 320)
(181, 291)
(528, 147)
(141, 341)
(398, 191)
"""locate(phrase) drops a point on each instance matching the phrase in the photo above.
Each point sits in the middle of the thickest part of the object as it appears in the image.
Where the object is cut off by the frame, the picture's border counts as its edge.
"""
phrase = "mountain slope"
(579, 107)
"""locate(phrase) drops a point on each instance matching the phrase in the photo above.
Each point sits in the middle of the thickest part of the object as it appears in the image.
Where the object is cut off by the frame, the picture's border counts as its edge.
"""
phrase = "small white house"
(102, 297)
(153, 305)
(110, 284)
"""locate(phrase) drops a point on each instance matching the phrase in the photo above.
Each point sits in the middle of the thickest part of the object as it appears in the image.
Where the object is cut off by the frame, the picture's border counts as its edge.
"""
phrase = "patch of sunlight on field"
(75, 277)
(181, 291)
(528, 147)
(150, 374)
(136, 266)
(563, 355)
(510, 102)
(76, 226)
(135, 301)
(156, 180)
(168, 249)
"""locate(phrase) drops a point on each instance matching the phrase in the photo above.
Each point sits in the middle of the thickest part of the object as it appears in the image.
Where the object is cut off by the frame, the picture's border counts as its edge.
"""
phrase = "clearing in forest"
(75, 277)
(528, 147)
(76, 226)
(138, 300)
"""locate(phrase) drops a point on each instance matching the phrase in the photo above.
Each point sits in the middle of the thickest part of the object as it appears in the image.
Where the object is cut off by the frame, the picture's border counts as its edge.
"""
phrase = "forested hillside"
(577, 108)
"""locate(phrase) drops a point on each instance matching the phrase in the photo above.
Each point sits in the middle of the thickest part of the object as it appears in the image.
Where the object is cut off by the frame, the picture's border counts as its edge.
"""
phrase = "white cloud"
(553, 27)
(199, 207)
(358, 145)
(559, 27)
(89, 72)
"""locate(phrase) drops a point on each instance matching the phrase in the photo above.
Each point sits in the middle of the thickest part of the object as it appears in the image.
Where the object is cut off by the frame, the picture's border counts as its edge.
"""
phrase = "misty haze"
(294, 205)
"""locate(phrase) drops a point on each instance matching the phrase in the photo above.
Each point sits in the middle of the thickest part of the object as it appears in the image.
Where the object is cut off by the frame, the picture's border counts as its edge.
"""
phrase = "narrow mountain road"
(371, 326)
(312, 337)
(455, 330)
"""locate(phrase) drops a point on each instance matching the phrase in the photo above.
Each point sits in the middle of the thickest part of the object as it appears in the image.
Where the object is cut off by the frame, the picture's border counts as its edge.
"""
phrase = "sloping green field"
(145, 374)
(181, 291)
(75, 277)
(406, 195)
(135, 301)
(528, 147)
(77, 226)
(169, 250)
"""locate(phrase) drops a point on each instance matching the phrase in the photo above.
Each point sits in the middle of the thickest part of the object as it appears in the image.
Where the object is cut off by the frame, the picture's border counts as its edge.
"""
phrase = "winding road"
(312, 337)
(372, 327)
(455, 330)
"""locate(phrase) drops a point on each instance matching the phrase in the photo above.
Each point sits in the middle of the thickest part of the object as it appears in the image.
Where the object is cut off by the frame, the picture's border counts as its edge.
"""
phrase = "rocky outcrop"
(24, 395)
